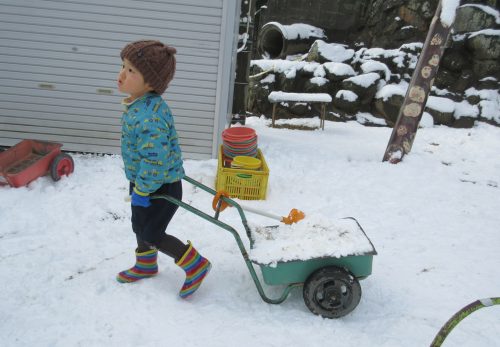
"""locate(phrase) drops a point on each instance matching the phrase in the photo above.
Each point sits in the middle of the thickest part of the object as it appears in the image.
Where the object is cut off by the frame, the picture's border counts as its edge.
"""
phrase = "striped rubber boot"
(196, 268)
(145, 266)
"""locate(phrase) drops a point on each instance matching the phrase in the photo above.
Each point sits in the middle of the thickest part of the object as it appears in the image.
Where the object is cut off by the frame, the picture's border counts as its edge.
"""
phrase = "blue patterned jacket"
(150, 145)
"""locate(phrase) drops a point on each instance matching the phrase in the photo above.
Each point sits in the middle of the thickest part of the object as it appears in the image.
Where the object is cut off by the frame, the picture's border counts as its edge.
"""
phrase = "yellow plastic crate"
(241, 183)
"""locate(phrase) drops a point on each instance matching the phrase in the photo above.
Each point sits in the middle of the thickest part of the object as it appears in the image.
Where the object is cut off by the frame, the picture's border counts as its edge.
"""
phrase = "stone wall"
(367, 73)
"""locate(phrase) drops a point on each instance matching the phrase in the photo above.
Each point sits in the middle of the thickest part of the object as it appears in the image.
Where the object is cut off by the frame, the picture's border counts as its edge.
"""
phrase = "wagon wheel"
(331, 292)
(62, 165)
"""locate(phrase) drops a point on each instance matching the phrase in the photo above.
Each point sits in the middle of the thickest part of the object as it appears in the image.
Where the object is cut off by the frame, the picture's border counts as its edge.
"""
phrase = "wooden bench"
(322, 98)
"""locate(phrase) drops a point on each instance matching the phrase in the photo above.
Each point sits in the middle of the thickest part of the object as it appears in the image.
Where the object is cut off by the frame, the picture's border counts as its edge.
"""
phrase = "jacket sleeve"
(154, 150)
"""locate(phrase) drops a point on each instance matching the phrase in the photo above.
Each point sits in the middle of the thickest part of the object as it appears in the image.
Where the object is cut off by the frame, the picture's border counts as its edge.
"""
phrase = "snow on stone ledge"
(486, 32)
(487, 9)
(299, 97)
(316, 236)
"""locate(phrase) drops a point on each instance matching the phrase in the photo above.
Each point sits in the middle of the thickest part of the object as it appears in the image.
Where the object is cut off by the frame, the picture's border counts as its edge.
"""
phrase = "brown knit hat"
(154, 60)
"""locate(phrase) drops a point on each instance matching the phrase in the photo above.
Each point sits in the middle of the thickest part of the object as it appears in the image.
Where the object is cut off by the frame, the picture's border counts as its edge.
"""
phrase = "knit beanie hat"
(154, 60)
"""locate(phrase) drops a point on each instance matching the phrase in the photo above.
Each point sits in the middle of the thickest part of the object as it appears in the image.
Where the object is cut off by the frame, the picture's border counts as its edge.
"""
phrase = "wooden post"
(405, 129)
(323, 112)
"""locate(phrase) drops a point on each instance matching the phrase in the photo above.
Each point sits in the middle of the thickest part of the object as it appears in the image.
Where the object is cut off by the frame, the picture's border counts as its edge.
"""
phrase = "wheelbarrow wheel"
(331, 292)
(62, 165)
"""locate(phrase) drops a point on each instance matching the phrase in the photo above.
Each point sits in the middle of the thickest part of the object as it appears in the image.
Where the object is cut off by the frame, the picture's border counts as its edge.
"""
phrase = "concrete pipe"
(278, 41)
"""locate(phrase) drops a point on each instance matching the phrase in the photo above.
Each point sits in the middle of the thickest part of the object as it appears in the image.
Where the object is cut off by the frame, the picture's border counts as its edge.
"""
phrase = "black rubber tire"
(62, 165)
(331, 292)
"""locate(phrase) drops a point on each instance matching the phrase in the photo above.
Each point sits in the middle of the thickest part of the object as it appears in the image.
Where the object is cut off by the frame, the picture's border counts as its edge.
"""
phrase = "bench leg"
(274, 113)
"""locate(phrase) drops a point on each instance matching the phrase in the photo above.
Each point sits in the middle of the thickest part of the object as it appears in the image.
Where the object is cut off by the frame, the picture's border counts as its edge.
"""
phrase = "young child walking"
(153, 163)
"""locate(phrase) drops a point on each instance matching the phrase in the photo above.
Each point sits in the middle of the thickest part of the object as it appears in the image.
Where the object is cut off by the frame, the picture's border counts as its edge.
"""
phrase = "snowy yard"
(433, 219)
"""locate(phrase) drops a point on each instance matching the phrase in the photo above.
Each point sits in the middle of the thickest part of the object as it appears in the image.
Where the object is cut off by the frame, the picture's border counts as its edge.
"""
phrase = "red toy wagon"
(30, 159)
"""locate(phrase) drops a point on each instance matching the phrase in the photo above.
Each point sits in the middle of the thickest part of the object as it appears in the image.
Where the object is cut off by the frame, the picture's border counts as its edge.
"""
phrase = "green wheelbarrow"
(330, 285)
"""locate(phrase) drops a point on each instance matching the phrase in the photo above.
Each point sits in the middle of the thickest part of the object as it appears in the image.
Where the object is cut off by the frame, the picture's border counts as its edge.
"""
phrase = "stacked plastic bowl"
(245, 162)
(239, 141)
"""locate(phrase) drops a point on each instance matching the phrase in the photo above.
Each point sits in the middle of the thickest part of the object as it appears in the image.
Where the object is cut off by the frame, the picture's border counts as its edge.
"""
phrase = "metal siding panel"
(204, 72)
(188, 62)
(59, 60)
(211, 40)
(190, 11)
(71, 124)
(187, 85)
(182, 116)
(105, 23)
(74, 90)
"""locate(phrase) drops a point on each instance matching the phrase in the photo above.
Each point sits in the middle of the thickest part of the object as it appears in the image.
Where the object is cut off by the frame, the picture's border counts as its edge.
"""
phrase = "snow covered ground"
(433, 218)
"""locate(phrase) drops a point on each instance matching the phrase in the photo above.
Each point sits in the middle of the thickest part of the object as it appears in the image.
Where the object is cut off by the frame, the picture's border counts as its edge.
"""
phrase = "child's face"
(130, 81)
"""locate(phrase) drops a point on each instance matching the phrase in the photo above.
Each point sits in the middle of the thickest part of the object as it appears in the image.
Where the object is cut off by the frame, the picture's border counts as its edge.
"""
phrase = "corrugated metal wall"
(59, 61)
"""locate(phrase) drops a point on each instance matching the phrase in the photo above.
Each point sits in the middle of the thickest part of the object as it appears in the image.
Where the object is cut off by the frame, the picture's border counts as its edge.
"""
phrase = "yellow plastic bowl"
(246, 162)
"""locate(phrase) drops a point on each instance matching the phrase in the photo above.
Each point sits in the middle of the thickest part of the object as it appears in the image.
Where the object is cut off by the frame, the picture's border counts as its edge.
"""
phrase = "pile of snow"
(316, 236)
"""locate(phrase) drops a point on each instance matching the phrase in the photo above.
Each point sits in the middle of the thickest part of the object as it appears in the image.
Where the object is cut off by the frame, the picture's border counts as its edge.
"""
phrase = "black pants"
(149, 223)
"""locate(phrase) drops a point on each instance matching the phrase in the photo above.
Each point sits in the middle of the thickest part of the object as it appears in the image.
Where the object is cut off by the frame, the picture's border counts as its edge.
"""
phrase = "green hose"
(457, 317)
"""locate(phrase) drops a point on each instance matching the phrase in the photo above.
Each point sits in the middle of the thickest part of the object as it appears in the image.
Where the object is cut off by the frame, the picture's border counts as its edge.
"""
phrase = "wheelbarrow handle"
(262, 213)
(236, 235)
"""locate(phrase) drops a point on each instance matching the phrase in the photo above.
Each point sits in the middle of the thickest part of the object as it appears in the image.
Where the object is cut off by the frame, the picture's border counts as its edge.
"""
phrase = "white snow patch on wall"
(440, 104)
(374, 66)
(364, 80)
(464, 109)
(339, 69)
(334, 52)
(486, 32)
(346, 95)
(392, 89)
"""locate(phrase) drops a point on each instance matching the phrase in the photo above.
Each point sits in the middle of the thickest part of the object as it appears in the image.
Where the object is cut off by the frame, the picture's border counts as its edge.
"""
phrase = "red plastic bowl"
(238, 134)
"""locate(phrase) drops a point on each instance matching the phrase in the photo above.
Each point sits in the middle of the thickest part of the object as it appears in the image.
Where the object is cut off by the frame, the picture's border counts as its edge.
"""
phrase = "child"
(153, 163)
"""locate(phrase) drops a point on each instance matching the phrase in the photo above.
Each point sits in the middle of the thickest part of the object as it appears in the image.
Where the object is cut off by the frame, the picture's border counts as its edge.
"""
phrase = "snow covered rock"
(388, 107)
(338, 71)
(441, 109)
(347, 101)
(325, 52)
(364, 85)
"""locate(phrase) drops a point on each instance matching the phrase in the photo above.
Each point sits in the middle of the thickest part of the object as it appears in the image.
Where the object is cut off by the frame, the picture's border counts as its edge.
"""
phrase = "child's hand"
(140, 200)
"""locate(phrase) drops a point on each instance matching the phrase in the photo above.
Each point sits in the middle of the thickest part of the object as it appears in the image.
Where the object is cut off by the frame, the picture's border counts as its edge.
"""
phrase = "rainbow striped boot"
(196, 268)
(145, 266)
